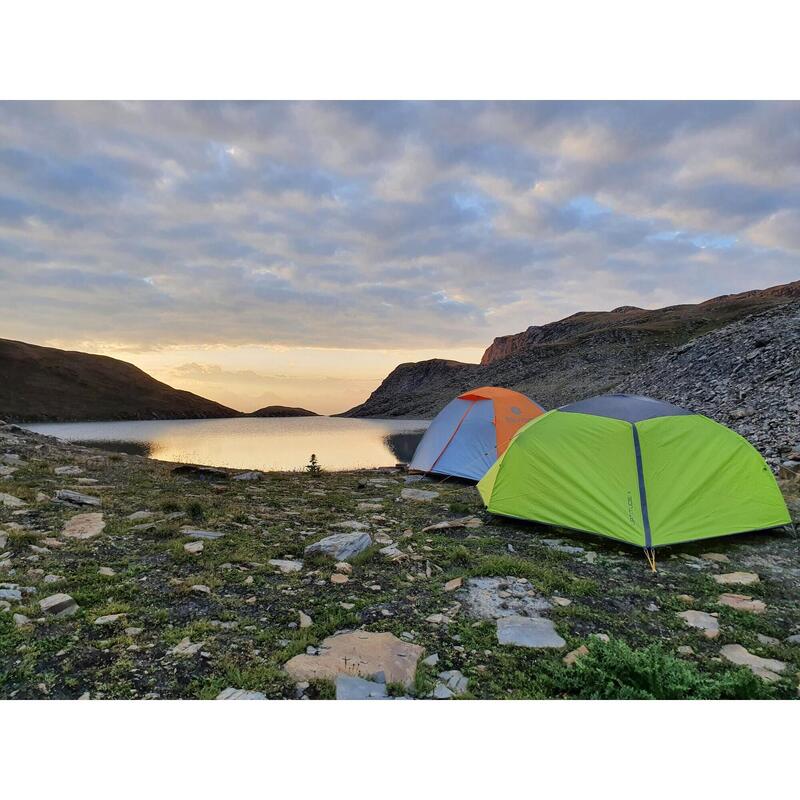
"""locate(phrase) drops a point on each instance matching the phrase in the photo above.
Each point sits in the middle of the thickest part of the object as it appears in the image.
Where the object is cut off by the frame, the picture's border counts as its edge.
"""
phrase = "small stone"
(561, 601)
(200, 588)
(133, 631)
(432, 660)
(418, 495)
(68, 470)
(793, 639)
(591, 557)
(84, 526)
(107, 571)
(456, 681)
(340, 546)
(305, 620)
(453, 584)
(59, 605)
(720, 558)
(339, 578)
(108, 619)
(194, 533)
(701, 620)
(441, 692)
(571, 657)
(461, 522)
(528, 632)
(11, 594)
(603, 637)
(193, 547)
(347, 606)
(768, 640)
(742, 602)
(743, 578)
(686, 598)
(351, 687)
(765, 668)
(21, 620)
(685, 650)
(53, 579)
(9, 501)
(286, 565)
(343, 567)
(240, 694)
(76, 498)
(186, 647)
(438, 619)
(252, 475)
(140, 515)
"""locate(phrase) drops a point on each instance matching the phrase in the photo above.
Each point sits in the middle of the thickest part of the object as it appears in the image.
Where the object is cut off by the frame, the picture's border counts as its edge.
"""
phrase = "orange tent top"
(512, 410)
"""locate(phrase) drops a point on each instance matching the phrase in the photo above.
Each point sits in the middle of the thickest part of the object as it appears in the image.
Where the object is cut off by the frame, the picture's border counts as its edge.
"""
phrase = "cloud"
(377, 225)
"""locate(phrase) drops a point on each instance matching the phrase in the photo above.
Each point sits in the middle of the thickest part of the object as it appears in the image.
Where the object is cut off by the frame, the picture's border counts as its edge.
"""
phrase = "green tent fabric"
(635, 469)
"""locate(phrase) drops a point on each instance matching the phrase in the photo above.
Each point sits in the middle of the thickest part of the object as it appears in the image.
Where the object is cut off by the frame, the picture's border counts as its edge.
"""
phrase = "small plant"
(195, 511)
(313, 467)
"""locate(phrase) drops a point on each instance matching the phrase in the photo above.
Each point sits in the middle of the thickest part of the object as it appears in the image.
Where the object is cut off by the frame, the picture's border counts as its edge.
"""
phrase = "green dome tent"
(635, 469)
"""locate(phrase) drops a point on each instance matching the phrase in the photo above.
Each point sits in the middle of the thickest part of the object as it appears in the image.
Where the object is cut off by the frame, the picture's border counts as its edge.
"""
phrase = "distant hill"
(44, 384)
(282, 411)
(587, 353)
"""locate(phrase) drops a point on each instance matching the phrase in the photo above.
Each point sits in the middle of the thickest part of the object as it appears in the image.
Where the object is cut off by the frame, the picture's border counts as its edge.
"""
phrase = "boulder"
(84, 526)
(528, 632)
(362, 653)
(340, 546)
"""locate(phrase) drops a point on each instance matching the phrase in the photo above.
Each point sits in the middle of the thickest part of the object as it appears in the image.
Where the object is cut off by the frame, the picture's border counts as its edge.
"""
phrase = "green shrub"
(614, 671)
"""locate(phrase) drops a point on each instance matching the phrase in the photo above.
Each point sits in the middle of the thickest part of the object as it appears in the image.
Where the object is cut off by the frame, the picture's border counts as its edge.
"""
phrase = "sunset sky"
(294, 253)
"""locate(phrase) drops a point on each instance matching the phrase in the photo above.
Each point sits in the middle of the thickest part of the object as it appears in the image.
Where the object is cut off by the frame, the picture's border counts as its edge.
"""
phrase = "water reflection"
(250, 443)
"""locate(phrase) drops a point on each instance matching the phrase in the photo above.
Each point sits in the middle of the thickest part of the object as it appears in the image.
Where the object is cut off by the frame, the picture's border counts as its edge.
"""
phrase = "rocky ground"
(745, 375)
(122, 577)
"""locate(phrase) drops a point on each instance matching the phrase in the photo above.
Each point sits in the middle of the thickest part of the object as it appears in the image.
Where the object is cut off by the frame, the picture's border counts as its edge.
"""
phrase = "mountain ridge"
(586, 353)
(45, 384)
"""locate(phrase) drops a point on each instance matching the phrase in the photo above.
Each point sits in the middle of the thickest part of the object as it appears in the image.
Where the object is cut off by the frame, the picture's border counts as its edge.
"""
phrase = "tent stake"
(650, 555)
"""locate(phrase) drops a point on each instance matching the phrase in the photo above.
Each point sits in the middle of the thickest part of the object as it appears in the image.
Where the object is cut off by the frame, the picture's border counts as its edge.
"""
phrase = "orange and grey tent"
(471, 432)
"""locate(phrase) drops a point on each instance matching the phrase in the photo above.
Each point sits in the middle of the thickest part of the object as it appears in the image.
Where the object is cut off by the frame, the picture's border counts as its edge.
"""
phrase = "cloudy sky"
(295, 253)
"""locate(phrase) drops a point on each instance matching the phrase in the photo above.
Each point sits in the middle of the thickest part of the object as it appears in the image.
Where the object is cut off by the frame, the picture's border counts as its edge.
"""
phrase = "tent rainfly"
(469, 433)
(635, 469)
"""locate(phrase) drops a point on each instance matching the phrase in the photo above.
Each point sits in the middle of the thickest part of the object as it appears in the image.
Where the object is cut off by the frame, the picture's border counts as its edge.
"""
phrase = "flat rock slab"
(767, 669)
(720, 558)
(240, 694)
(493, 598)
(84, 526)
(420, 495)
(528, 632)
(340, 546)
(58, 605)
(741, 578)
(248, 476)
(76, 498)
(286, 565)
(461, 522)
(351, 687)
(559, 546)
(68, 470)
(9, 501)
(703, 621)
(742, 602)
(360, 653)
(195, 533)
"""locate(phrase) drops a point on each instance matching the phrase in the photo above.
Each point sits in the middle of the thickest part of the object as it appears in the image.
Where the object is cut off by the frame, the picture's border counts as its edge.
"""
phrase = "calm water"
(252, 443)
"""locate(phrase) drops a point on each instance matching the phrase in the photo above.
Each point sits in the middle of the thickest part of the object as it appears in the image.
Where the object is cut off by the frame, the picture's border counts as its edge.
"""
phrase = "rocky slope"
(44, 384)
(282, 411)
(587, 353)
(745, 375)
